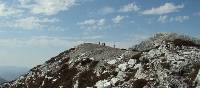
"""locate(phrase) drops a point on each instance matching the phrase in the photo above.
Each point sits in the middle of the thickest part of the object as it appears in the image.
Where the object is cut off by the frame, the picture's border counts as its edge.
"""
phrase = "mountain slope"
(160, 38)
(166, 61)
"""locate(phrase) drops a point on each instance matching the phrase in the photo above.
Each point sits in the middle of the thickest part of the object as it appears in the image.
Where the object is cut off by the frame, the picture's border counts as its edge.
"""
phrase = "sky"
(33, 31)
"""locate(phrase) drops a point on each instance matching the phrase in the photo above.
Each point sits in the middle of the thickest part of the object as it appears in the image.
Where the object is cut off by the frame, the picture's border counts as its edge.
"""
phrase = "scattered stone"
(166, 60)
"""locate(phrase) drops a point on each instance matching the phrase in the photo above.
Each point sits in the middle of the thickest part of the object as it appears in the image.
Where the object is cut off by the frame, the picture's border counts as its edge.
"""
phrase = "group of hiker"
(104, 44)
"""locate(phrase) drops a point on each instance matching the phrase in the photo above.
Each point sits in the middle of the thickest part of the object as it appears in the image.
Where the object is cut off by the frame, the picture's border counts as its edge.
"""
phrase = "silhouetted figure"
(104, 44)
(114, 45)
(99, 43)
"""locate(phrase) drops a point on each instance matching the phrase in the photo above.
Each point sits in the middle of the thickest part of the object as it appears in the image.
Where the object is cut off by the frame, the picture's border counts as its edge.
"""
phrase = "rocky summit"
(166, 60)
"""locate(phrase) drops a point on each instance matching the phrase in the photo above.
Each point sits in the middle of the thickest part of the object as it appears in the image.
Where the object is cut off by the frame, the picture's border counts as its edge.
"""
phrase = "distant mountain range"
(166, 60)
(11, 72)
(2, 80)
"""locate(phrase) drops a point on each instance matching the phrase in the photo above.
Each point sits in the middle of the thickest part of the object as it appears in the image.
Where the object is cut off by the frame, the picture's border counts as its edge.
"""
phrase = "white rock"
(60, 86)
(137, 66)
(103, 84)
(48, 77)
(121, 57)
(114, 81)
(91, 58)
(139, 74)
(76, 85)
(54, 80)
(42, 83)
(186, 53)
(123, 66)
(107, 84)
(132, 62)
(121, 75)
(198, 80)
(151, 79)
(112, 61)
(82, 54)
(152, 53)
(21, 77)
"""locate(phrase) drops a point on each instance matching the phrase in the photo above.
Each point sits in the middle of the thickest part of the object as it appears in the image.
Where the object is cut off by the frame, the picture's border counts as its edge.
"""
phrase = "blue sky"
(32, 31)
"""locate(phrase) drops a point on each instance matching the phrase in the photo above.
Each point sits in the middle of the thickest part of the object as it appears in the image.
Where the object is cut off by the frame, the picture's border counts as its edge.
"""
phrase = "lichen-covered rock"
(164, 61)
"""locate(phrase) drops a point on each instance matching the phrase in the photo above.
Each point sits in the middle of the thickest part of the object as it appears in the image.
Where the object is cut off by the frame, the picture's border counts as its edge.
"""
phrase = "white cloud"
(166, 18)
(45, 41)
(107, 10)
(47, 7)
(33, 22)
(129, 7)
(28, 23)
(31, 14)
(93, 24)
(163, 19)
(40, 41)
(164, 9)
(118, 19)
(196, 14)
(180, 18)
(7, 11)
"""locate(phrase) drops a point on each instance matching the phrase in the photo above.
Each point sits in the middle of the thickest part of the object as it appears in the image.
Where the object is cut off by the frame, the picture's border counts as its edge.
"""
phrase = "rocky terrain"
(166, 60)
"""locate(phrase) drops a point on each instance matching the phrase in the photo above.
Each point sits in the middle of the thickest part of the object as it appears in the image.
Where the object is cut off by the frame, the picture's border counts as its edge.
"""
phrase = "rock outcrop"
(167, 60)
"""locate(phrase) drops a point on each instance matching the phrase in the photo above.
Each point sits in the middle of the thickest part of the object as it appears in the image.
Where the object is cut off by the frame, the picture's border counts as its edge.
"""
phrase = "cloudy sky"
(32, 31)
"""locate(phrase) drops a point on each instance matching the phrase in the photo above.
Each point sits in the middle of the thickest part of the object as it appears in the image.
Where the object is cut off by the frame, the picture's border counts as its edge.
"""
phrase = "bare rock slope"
(166, 60)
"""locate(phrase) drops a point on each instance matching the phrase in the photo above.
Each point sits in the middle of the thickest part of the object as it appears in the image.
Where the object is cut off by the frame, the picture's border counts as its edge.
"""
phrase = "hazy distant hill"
(166, 60)
(11, 72)
(2, 80)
